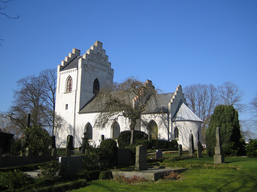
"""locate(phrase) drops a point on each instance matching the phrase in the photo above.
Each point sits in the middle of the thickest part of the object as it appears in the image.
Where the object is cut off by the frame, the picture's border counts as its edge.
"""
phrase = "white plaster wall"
(91, 118)
(162, 122)
(65, 124)
(185, 128)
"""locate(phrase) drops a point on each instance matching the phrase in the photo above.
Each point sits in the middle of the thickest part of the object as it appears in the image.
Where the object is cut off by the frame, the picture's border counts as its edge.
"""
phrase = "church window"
(153, 129)
(176, 133)
(66, 106)
(115, 130)
(69, 84)
(89, 131)
(96, 86)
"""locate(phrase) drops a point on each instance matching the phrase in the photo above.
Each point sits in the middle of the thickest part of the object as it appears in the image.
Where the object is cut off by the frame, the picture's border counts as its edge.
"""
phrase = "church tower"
(79, 78)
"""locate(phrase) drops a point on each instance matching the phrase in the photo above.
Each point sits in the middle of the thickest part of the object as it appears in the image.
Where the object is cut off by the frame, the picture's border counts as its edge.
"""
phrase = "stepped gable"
(97, 54)
(94, 58)
(70, 61)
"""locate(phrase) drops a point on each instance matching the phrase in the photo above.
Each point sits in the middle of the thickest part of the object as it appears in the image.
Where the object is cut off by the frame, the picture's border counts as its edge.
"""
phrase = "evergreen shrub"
(251, 148)
(107, 153)
(226, 118)
(15, 179)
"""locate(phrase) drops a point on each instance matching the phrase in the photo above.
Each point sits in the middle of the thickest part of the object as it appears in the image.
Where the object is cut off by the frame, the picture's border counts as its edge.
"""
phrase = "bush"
(124, 138)
(226, 118)
(91, 162)
(16, 179)
(16, 147)
(52, 169)
(38, 140)
(251, 149)
(105, 175)
(107, 153)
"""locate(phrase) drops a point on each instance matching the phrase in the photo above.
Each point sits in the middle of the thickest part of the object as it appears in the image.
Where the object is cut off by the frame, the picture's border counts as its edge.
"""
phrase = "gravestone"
(73, 164)
(199, 149)
(191, 144)
(53, 146)
(28, 120)
(218, 157)
(69, 145)
(158, 154)
(180, 152)
(141, 158)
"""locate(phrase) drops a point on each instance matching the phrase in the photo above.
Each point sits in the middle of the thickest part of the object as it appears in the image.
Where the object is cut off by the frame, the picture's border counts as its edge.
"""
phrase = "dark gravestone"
(199, 149)
(28, 120)
(53, 146)
(191, 144)
(218, 157)
(180, 152)
(141, 158)
(158, 154)
(69, 145)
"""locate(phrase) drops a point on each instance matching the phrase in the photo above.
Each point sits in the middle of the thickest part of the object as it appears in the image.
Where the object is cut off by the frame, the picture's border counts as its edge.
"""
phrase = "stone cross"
(218, 157)
(141, 158)
(191, 144)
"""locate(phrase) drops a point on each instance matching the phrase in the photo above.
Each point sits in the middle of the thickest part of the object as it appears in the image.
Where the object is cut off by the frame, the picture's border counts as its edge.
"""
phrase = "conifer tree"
(225, 117)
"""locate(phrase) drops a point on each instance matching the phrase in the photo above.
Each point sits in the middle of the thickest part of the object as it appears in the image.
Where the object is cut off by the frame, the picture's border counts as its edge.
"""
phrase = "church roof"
(185, 114)
(72, 64)
(160, 104)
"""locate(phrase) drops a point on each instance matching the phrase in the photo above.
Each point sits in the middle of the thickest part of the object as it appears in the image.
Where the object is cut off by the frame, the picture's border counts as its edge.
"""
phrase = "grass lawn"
(237, 174)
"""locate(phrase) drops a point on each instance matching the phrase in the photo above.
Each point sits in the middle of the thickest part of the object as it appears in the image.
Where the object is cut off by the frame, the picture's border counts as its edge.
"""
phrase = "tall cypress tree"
(225, 117)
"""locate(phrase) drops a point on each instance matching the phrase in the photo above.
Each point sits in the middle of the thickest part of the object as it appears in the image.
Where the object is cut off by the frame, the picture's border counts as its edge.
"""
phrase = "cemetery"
(144, 162)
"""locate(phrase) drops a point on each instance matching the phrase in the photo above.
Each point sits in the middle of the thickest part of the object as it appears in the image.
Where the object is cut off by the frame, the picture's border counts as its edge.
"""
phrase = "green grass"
(237, 174)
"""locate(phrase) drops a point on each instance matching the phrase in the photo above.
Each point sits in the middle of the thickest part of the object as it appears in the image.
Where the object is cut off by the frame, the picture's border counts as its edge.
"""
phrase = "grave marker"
(141, 158)
(218, 157)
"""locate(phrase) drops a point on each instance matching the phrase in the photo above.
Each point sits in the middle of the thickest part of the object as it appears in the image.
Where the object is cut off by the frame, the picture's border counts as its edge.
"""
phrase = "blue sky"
(169, 42)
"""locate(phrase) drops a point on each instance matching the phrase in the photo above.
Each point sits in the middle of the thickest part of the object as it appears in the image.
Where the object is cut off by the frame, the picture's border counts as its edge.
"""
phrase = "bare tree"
(7, 126)
(253, 107)
(202, 99)
(35, 95)
(231, 94)
(50, 80)
(128, 99)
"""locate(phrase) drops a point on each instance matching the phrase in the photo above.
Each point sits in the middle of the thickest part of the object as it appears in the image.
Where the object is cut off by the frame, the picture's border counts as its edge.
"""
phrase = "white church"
(80, 77)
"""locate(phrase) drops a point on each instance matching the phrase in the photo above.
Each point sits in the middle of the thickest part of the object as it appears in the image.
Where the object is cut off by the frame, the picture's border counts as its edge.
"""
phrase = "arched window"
(115, 130)
(153, 129)
(176, 133)
(96, 86)
(69, 84)
(89, 131)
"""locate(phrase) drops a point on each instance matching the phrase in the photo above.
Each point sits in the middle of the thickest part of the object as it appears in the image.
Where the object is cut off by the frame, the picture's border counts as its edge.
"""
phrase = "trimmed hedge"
(124, 137)
(161, 144)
